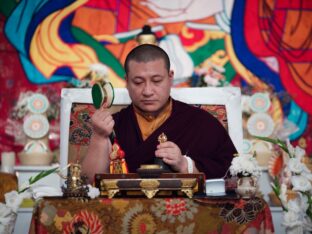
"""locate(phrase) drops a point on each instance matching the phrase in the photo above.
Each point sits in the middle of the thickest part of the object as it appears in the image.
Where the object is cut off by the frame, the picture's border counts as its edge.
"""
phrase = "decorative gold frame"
(148, 187)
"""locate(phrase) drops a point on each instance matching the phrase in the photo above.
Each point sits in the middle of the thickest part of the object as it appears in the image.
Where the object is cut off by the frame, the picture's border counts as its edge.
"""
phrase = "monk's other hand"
(102, 122)
(171, 154)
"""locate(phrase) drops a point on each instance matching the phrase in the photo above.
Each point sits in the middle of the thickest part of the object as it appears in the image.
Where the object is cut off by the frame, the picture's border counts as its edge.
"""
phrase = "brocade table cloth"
(157, 215)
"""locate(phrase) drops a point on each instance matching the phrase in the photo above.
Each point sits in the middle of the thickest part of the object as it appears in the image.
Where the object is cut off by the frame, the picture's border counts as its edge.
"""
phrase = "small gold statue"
(76, 183)
(75, 180)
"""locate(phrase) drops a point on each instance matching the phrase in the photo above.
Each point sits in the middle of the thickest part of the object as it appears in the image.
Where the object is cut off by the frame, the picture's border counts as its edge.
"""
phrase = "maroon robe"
(198, 134)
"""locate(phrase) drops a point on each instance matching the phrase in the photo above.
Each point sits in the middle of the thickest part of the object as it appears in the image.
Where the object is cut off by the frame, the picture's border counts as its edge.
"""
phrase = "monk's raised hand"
(102, 122)
(171, 154)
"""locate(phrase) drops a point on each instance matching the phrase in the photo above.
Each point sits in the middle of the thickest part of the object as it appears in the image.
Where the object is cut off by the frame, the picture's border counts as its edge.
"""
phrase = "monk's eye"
(157, 80)
(138, 82)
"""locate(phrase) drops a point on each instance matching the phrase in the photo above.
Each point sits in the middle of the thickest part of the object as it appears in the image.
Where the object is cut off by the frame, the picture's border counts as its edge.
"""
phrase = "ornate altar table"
(157, 215)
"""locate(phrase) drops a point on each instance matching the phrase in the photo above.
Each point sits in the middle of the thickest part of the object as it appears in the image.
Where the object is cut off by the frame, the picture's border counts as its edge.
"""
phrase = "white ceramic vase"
(246, 187)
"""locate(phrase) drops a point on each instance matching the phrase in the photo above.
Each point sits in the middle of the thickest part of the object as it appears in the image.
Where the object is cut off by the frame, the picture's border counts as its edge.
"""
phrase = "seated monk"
(197, 142)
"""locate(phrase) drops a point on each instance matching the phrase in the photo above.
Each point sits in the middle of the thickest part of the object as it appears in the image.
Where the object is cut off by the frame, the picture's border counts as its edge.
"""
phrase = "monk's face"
(149, 85)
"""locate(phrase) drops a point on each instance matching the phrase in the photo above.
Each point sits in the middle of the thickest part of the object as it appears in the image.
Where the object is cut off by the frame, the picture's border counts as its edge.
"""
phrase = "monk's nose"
(148, 90)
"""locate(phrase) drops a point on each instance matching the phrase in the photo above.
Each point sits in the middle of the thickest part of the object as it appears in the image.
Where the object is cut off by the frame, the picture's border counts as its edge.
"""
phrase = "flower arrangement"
(13, 199)
(293, 178)
(245, 165)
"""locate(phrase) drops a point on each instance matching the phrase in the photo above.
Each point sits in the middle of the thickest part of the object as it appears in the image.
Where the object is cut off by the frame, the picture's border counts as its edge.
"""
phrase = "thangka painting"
(262, 46)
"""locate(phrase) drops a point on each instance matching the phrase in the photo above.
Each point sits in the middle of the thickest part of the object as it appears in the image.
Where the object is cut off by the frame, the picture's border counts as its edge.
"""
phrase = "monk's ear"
(171, 75)
(127, 80)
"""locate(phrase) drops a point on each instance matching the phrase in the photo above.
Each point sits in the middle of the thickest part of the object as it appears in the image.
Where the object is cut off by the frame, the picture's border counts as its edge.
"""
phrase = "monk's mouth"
(148, 102)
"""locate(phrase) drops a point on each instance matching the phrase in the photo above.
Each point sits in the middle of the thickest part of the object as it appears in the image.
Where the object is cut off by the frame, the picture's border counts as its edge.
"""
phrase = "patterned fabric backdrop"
(259, 45)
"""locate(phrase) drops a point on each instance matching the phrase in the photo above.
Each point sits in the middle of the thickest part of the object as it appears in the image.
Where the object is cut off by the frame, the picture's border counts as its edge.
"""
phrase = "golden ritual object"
(154, 170)
(162, 138)
(76, 184)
